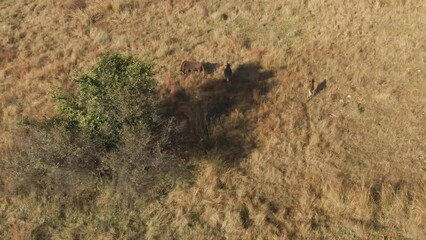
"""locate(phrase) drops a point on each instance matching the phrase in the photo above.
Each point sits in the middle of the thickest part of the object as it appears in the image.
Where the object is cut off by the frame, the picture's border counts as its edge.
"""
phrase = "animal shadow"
(321, 87)
(210, 67)
(203, 119)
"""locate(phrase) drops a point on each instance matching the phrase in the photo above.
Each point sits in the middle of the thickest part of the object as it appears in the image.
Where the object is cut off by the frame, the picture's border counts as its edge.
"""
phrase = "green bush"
(119, 91)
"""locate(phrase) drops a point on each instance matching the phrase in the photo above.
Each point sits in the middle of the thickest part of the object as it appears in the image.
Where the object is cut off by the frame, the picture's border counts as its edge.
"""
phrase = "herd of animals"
(193, 66)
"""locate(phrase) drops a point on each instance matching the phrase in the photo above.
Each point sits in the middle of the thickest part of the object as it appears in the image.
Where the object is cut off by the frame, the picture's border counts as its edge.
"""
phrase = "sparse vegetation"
(254, 159)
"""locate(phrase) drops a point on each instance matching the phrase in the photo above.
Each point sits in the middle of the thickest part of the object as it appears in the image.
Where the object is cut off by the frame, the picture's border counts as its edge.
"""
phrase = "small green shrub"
(118, 91)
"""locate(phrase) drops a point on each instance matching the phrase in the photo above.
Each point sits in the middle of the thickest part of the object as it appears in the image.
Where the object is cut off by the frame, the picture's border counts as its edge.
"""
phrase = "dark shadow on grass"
(210, 67)
(203, 123)
(321, 87)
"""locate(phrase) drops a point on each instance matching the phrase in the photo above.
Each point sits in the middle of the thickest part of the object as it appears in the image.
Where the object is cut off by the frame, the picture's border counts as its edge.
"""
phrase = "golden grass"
(348, 164)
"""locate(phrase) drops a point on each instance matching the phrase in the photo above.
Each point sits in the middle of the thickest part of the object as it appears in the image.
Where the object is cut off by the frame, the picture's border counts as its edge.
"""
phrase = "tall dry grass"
(347, 164)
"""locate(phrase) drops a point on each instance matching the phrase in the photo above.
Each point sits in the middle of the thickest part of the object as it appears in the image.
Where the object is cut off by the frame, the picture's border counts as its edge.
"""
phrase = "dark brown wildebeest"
(228, 72)
(192, 66)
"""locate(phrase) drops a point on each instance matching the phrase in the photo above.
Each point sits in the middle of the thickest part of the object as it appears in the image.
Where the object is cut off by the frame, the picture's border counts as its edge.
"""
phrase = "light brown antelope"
(311, 88)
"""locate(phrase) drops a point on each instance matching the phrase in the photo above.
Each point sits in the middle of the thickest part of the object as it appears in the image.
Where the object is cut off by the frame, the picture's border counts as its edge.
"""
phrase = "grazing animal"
(191, 66)
(312, 88)
(228, 72)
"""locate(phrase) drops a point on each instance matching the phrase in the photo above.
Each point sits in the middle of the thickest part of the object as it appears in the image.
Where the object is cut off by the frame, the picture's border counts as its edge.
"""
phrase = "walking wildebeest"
(228, 72)
(192, 66)
(311, 88)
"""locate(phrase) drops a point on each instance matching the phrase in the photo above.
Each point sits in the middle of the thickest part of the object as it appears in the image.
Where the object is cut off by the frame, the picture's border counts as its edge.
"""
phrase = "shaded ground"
(202, 114)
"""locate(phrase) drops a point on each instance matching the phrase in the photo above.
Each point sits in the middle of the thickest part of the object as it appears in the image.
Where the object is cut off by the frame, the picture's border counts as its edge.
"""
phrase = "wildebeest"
(311, 88)
(228, 72)
(192, 66)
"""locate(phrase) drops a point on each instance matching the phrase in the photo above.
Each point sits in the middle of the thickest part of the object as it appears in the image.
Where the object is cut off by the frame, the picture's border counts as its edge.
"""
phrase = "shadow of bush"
(204, 116)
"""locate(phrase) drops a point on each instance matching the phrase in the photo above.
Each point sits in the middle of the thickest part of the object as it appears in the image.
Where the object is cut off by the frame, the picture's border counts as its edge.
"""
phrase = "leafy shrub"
(115, 108)
(118, 91)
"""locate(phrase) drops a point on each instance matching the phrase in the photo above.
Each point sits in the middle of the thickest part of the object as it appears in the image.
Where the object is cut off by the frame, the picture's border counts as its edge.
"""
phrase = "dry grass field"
(348, 163)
